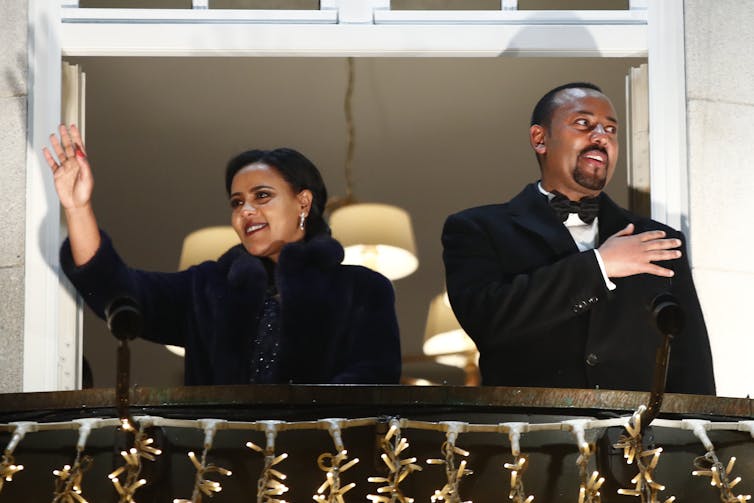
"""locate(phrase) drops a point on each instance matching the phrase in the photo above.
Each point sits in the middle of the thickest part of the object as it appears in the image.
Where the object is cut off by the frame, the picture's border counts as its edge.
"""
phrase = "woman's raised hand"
(74, 182)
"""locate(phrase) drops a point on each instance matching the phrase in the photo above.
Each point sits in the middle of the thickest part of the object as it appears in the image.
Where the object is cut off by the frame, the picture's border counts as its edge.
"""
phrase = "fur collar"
(243, 269)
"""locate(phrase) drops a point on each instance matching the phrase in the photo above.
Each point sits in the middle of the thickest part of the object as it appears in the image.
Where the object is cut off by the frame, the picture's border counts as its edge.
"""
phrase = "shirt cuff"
(609, 284)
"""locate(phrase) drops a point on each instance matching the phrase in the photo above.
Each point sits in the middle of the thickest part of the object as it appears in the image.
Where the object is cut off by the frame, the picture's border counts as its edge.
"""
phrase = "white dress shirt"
(584, 235)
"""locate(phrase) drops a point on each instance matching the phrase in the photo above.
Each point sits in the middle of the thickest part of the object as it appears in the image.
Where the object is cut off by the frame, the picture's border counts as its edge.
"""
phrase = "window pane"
(572, 4)
(445, 5)
(136, 4)
(265, 4)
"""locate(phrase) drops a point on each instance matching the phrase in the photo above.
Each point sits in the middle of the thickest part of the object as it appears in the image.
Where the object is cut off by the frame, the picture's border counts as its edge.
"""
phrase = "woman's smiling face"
(265, 211)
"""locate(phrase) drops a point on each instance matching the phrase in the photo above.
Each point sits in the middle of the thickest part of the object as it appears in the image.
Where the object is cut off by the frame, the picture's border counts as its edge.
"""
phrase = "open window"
(434, 102)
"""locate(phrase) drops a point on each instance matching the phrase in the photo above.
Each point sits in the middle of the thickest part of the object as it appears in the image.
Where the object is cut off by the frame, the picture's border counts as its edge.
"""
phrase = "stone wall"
(720, 101)
(13, 93)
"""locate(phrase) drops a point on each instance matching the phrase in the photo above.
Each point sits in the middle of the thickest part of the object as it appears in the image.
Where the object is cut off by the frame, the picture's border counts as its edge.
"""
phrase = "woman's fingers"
(50, 159)
(65, 138)
(67, 146)
(78, 142)
(57, 148)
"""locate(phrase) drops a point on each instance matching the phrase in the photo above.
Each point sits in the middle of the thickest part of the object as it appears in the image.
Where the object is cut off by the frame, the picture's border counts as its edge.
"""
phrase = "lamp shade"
(444, 337)
(208, 243)
(377, 236)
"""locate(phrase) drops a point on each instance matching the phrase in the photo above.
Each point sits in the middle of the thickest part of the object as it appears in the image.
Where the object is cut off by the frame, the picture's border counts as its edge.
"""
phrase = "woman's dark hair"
(298, 171)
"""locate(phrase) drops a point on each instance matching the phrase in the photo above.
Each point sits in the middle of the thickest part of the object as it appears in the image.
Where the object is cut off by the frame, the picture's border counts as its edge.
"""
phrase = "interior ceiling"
(433, 135)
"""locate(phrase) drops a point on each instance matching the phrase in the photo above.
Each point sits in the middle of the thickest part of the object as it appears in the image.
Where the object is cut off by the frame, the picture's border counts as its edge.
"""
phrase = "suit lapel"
(612, 218)
(529, 209)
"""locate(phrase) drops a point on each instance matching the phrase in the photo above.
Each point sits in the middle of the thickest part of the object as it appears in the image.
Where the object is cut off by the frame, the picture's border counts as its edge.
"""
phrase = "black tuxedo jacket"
(539, 310)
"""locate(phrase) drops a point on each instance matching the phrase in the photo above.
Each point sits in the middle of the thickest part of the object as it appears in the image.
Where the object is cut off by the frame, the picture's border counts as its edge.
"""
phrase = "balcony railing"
(463, 442)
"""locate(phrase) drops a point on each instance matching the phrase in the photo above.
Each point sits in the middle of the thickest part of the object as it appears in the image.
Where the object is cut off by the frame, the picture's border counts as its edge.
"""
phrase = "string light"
(270, 484)
(517, 468)
(8, 466)
(450, 491)
(332, 464)
(331, 491)
(132, 469)
(393, 445)
(202, 485)
(272, 487)
(710, 466)
(68, 482)
(517, 492)
(645, 487)
(589, 488)
(69, 479)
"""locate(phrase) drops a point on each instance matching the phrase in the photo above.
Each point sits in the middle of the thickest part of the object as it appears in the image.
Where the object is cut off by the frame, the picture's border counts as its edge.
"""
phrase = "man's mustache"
(595, 147)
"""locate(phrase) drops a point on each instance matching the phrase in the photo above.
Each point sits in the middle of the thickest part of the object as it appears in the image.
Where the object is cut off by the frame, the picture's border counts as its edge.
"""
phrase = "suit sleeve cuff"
(609, 284)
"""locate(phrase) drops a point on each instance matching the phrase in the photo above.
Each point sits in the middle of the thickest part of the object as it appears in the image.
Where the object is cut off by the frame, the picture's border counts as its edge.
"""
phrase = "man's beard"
(588, 180)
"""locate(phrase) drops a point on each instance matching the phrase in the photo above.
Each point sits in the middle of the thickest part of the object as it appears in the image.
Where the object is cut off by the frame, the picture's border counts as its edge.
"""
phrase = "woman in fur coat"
(277, 308)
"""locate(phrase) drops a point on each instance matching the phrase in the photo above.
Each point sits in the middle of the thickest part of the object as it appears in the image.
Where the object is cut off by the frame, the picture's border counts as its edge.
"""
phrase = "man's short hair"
(544, 108)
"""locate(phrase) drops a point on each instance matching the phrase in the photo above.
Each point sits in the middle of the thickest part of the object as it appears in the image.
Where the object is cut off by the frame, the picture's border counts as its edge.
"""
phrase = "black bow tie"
(587, 209)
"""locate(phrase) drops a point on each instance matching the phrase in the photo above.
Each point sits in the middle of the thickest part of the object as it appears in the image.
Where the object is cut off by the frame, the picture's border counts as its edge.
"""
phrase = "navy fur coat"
(338, 322)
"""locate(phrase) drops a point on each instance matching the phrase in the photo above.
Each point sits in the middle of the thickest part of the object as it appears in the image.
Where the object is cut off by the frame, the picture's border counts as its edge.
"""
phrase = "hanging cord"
(336, 202)
(350, 130)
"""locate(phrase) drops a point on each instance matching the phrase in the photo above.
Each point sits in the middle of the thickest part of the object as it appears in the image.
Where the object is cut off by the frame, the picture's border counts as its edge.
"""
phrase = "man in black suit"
(556, 296)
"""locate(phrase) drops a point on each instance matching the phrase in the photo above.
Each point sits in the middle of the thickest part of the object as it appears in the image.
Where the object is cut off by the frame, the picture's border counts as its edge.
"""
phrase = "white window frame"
(340, 28)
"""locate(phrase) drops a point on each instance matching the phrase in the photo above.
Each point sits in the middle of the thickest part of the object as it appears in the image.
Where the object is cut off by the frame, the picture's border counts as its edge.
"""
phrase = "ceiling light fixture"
(377, 236)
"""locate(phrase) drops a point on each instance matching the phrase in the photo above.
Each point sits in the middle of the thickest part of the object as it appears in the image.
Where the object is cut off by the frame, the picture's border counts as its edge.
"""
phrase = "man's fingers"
(656, 270)
(662, 244)
(660, 255)
(651, 235)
